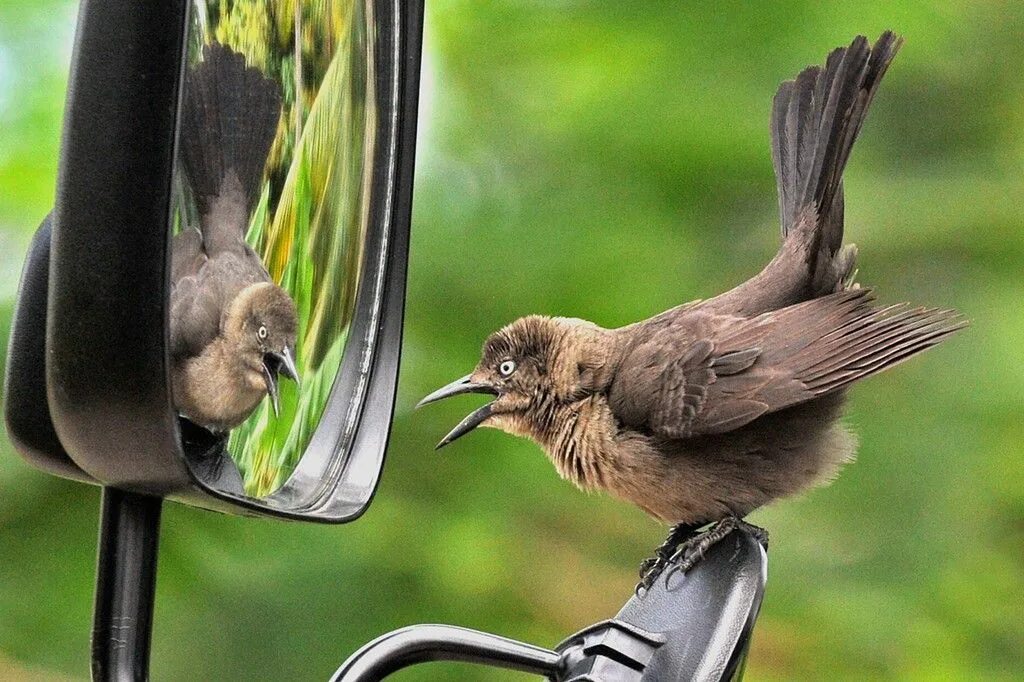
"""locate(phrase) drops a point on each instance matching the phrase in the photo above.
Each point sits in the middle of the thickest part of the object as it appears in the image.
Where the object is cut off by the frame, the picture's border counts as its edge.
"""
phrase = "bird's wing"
(200, 298)
(705, 374)
(195, 316)
(187, 255)
(189, 334)
(196, 305)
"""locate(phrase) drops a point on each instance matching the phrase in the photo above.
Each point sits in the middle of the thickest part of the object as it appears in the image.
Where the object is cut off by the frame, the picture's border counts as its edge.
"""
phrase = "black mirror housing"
(108, 416)
(26, 410)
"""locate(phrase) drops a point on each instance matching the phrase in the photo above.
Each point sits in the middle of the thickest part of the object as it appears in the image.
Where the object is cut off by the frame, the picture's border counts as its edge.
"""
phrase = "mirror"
(226, 266)
(271, 212)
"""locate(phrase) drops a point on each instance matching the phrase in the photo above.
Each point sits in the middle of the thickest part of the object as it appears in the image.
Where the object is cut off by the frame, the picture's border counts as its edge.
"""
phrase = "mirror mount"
(416, 644)
(125, 585)
(692, 627)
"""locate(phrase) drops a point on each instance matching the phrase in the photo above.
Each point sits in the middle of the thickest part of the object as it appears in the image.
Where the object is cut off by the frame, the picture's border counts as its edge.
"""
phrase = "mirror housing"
(26, 411)
(108, 415)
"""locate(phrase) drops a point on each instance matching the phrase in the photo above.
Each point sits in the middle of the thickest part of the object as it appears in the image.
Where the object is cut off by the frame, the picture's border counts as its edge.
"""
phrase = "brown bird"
(714, 408)
(232, 329)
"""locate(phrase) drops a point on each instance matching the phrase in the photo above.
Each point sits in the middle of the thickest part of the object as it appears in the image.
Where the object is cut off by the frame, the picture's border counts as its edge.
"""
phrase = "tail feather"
(869, 340)
(229, 119)
(815, 121)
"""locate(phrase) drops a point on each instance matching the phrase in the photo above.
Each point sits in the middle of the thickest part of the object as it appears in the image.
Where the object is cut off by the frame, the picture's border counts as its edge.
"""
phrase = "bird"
(714, 408)
(232, 329)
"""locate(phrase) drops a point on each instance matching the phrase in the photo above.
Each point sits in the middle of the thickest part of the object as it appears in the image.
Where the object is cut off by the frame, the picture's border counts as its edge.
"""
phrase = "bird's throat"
(579, 441)
(220, 386)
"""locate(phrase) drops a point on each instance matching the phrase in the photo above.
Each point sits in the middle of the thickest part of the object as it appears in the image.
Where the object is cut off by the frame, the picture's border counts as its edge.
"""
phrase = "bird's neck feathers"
(242, 369)
(578, 441)
(241, 351)
(580, 359)
(236, 315)
(571, 420)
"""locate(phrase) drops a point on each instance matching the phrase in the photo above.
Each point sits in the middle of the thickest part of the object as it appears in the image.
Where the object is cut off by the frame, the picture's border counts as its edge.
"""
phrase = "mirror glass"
(275, 149)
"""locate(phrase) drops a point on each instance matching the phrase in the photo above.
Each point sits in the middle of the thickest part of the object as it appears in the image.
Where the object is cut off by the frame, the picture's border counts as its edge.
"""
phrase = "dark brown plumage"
(714, 408)
(232, 329)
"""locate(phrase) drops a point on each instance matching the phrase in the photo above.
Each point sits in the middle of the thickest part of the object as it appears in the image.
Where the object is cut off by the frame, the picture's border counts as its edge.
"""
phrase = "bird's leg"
(690, 552)
(651, 567)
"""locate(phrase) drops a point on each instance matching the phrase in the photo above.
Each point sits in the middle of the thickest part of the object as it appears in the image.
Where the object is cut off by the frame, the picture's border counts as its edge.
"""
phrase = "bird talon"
(671, 571)
(650, 569)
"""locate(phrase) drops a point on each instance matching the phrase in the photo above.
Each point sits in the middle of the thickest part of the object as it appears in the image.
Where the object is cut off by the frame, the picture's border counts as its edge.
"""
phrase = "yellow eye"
(506, 368)
(262, 333)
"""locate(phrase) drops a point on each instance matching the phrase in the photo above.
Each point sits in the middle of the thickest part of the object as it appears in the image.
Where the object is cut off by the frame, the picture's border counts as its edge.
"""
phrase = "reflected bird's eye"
(506, 368)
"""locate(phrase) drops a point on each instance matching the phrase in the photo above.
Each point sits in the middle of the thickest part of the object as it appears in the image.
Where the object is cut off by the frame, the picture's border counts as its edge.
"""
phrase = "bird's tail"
(815, 121)
(229, 118)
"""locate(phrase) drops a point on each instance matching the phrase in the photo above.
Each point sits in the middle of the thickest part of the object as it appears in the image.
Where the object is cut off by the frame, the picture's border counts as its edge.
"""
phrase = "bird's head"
(533, 367)
(262, 322)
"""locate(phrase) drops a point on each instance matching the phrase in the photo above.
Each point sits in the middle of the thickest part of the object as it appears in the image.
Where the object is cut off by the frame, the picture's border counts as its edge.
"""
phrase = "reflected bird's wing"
(200, 299)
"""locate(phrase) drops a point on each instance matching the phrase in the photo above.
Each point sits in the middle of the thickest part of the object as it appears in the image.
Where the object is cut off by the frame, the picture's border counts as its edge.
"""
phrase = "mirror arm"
(696, 626)
(125, 586)
(409, 646)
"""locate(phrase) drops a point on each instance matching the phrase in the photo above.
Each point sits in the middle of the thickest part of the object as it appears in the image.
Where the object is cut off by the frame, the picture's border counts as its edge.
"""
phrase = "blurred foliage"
(609, 160)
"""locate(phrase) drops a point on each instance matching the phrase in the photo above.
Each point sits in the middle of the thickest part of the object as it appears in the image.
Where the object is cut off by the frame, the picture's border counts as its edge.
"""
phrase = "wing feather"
(718, 373)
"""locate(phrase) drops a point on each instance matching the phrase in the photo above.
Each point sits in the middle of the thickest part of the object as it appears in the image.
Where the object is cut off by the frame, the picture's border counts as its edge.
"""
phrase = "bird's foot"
(653, 566)
(689, 553)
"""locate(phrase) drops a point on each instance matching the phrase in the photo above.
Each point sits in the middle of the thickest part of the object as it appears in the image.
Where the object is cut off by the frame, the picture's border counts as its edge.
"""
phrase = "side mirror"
(167, 148)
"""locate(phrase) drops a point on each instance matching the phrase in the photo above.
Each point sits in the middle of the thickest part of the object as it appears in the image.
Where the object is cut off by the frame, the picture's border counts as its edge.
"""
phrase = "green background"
(606, 160)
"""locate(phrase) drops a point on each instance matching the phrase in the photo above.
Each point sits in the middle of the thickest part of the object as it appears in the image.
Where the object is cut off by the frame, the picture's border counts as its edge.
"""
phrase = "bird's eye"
(262, 333)
(506, 368)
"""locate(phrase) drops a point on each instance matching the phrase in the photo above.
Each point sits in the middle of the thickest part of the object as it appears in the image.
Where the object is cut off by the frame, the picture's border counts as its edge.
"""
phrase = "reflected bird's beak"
(275, 363)
(270, 378)
(475, 418)
(286, 365)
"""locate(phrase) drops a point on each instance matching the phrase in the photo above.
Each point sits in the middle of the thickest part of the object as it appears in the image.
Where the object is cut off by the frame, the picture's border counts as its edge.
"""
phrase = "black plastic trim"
(26, 410)
(107, 370)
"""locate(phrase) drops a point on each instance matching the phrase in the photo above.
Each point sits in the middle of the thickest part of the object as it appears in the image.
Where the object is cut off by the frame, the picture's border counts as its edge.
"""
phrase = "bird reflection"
(232, 329)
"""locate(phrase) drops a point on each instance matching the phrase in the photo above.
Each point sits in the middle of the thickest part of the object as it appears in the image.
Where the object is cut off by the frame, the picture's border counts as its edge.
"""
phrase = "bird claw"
(652, 567)
(679, 555)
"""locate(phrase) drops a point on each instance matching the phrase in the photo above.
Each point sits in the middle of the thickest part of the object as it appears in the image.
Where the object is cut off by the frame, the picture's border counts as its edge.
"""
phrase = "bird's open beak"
(275, 363)
(285, 364)
(474, 418)
(270, 378)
